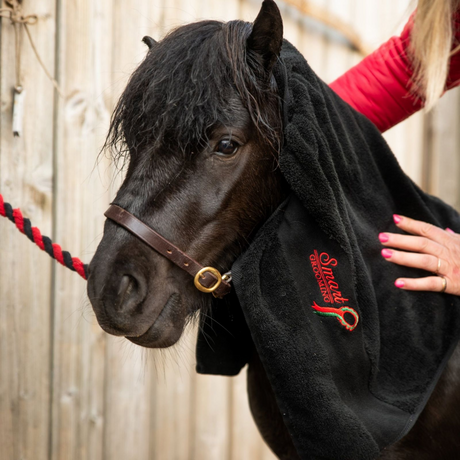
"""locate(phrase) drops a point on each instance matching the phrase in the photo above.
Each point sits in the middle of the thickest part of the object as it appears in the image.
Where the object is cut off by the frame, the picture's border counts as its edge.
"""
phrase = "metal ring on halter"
(212, 270)
(439, 266)
(227, 277)
(444, 283)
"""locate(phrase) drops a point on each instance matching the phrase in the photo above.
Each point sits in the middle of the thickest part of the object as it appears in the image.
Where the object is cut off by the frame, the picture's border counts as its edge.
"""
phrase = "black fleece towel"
(351, 358)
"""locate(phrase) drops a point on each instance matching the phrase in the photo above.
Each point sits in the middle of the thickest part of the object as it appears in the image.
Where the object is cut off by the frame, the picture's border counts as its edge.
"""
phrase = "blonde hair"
(431, 44)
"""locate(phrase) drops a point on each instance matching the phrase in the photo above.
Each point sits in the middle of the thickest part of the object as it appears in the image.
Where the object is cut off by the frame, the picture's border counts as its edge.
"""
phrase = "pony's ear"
(149, 41)
(267, 34)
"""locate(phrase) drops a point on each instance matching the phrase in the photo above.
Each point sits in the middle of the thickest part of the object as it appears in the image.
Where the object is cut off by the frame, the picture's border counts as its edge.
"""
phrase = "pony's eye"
(226, 147)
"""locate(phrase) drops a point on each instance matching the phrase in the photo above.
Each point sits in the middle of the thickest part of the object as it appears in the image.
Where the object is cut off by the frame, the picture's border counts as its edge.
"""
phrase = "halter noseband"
(206, 279)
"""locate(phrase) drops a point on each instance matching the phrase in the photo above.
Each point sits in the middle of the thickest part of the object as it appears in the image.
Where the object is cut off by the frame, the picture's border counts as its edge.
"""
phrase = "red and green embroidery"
(339, 313)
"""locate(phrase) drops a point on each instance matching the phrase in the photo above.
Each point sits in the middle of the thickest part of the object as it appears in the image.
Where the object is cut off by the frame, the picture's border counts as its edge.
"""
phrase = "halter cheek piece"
(206, 279)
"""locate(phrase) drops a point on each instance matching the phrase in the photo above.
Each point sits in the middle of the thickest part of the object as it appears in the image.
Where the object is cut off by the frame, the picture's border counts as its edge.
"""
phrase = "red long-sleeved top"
(379, 86)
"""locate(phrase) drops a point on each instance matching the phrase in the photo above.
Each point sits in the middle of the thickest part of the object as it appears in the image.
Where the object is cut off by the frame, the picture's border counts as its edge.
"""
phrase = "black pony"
(201, 125)
(199, 122)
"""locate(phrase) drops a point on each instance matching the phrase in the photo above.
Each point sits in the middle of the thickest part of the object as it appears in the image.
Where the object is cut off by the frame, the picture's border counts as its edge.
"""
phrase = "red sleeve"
(380, 85)
(453, 78)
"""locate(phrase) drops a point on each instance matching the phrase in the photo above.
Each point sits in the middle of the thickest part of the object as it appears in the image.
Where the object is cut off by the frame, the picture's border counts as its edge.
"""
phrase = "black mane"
(181, 90)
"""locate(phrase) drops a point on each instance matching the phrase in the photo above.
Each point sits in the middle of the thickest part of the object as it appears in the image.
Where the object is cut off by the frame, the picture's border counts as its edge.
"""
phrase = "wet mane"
(182, 90)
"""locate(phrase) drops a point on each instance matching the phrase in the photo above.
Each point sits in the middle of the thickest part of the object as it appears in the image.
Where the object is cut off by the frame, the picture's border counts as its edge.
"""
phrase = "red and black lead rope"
(43, 242)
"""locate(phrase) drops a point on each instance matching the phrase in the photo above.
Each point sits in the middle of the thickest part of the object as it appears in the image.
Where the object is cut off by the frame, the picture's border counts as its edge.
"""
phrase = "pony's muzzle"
(118, 304)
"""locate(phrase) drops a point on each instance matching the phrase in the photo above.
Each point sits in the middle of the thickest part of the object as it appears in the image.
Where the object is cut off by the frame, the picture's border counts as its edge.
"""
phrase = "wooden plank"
(128, 383)
(128, 402)
(246, 442)
(211, 418)
(81, 198)
(249, 10)
(443, 142)
(175, 13)
(325, 50)
(222, 11)
(313, 43)
(338, 55)
(292, 19)
(26, 171)
(405, 141)
(173, 377)
(356, 22)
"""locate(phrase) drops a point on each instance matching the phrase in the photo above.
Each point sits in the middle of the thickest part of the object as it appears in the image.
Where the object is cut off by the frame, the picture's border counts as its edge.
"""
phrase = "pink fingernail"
(397, 218)
(399, 283)
(387, 253)
(383, 237)
(449, 230)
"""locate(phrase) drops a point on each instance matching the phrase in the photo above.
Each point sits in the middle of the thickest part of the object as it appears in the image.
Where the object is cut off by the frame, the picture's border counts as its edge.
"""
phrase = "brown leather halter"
(206, 279)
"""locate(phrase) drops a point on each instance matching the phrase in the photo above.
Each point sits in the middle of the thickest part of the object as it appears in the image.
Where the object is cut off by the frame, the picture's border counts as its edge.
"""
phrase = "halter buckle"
(202, 288)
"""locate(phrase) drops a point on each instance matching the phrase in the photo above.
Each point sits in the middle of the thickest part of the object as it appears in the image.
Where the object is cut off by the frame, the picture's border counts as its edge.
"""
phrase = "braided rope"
(43, 242)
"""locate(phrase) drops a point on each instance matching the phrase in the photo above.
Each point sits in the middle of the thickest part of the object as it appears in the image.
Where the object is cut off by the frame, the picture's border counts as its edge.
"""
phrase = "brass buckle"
(202, 288)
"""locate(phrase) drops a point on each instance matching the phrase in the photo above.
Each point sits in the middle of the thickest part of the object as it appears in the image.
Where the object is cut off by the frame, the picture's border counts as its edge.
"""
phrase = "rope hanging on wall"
(43, 242)
(13, 12)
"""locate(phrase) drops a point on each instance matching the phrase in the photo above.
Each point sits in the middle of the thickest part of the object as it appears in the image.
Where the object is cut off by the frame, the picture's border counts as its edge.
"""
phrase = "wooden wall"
(68, 391)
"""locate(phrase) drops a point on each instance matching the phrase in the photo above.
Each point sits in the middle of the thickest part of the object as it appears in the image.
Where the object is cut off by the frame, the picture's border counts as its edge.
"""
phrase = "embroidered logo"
(339, 313)
(322, 265)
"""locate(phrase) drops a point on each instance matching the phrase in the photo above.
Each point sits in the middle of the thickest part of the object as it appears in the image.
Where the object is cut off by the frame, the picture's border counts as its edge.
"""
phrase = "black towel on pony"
(351, 358)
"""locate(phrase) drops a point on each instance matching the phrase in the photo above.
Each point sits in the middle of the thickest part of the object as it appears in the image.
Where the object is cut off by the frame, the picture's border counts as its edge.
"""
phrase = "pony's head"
(199, 123)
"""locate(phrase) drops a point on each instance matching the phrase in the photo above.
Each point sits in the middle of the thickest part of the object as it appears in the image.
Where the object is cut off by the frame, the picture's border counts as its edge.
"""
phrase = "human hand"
(429, 248)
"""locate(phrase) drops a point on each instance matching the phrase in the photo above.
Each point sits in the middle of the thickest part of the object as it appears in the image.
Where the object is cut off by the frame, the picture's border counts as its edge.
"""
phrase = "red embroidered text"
(322, 268)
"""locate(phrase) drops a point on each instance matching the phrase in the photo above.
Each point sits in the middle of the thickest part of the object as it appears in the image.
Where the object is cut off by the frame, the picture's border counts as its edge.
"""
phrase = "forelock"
(181, 89)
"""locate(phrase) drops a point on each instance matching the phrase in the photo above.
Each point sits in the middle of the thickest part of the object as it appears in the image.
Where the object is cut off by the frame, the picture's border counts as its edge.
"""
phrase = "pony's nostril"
(127, 295)
(127, 284)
